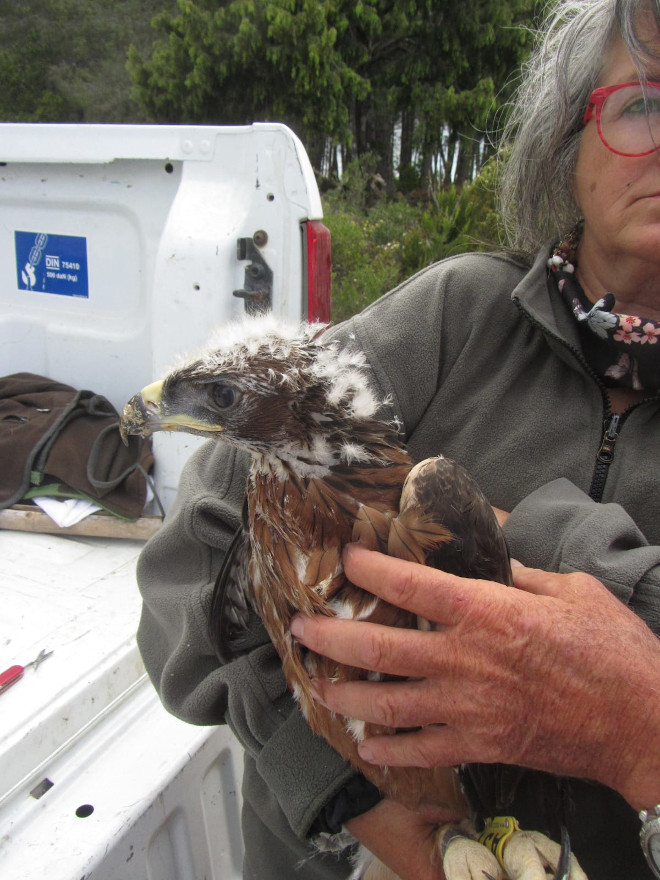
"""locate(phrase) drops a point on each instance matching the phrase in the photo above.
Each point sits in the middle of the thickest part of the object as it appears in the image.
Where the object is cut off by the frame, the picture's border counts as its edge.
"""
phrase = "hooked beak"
(141, 414)
(146, 413)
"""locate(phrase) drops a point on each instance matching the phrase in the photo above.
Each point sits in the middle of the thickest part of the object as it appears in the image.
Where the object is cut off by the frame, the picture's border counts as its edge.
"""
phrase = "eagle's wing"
(439, 496)
(234, 626)
(440, 493)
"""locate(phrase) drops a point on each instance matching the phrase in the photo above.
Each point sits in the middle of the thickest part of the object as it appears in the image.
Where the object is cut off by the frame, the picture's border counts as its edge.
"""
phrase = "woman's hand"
(403, 840)
(556, 675)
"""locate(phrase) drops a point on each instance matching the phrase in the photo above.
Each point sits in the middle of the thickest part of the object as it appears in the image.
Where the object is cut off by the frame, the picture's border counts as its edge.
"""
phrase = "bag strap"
(95, 453)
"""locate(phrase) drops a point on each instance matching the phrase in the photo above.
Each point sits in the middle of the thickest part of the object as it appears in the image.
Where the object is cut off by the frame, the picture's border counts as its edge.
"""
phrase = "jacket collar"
(536, 300)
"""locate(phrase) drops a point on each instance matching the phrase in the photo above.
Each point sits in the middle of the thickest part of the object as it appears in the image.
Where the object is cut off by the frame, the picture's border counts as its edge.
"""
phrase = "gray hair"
(541, 136)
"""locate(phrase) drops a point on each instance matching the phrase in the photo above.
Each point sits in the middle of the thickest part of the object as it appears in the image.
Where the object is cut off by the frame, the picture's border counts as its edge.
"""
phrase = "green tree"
(234, 62)
(65, 60)
(27, 55)
(466, 53)
(342, 72)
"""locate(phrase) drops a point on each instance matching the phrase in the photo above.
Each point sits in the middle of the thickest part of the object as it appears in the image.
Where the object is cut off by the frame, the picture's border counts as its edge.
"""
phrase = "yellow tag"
(496, 833)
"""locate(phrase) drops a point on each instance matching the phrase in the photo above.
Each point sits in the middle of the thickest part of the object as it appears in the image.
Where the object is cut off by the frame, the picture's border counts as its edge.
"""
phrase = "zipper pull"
(606, 451)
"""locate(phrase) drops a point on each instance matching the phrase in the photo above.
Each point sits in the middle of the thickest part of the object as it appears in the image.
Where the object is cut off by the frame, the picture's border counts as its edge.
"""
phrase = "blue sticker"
(52, 263)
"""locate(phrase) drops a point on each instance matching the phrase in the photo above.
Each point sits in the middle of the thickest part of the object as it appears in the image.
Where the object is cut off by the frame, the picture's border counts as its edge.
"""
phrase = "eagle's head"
(269, 387)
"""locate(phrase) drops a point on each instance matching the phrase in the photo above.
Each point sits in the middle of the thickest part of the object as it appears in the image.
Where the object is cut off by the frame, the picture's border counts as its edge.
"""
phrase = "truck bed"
(120, 248)
(96, 779)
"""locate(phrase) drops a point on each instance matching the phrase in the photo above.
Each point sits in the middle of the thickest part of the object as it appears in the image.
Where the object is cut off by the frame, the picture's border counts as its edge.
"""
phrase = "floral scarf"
(621, 349)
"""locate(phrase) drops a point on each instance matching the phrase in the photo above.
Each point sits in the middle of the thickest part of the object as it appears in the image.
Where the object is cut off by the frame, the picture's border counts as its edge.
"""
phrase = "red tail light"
(319, 265)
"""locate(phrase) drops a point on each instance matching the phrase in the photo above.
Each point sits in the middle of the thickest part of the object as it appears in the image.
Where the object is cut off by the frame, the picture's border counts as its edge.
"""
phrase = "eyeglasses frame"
(596, 100)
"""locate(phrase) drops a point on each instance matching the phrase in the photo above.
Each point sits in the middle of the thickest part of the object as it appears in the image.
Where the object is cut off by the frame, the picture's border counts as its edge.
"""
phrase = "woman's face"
(619, 196)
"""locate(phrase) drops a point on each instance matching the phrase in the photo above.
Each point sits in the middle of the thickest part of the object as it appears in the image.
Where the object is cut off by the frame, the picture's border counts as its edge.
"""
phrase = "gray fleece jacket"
(481, 363)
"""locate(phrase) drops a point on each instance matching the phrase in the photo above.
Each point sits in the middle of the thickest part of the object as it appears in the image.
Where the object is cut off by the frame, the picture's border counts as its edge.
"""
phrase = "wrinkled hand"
(556, 675)
(402, 839)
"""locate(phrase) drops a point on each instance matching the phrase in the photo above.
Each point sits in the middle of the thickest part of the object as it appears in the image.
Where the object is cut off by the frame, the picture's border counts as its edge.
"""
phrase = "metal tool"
(15, 673)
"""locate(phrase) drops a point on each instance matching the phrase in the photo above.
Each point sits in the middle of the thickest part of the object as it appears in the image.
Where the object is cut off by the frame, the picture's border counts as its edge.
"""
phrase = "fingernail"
(297, 627)
(354, 547)
(365, 752)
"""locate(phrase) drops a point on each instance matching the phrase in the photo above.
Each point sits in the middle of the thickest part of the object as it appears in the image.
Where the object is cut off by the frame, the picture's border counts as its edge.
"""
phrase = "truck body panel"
(121, 248)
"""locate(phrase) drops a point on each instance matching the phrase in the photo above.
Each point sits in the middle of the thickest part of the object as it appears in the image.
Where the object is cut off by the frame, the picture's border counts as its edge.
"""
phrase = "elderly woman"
(541, 376)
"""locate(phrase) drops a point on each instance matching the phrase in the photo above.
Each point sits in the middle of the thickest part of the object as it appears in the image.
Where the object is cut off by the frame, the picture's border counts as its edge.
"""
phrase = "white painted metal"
(96, 779)
(160, 209)
(165, 795)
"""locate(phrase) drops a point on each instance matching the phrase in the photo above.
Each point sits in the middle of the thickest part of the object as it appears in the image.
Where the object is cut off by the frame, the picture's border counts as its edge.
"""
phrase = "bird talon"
(563, 871)
(464, 858)
(528, 854)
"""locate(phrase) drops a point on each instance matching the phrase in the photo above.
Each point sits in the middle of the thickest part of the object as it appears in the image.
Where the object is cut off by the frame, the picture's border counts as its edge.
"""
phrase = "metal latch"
(258, 282)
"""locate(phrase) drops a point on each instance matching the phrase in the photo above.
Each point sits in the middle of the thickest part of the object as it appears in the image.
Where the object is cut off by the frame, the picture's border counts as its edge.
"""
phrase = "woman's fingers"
(576, 587)
(432, 746)
(387, 649)
(390, 703)
(428, 592)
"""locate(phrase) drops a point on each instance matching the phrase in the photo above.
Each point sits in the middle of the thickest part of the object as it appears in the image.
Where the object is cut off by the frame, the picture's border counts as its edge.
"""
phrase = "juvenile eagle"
(327, 469)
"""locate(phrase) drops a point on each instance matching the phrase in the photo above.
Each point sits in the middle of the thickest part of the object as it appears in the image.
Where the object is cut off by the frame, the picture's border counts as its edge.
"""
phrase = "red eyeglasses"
(627, 117)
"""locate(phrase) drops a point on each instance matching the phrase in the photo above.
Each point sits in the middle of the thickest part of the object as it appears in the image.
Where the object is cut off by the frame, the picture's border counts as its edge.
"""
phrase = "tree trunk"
(407, 134)
(466, 160)
(374, 132)
(426, 171)
(315, 146)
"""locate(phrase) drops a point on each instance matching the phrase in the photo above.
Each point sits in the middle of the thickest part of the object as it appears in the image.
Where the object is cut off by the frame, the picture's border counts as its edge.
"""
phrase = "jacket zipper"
(604, 456)
(611, 423)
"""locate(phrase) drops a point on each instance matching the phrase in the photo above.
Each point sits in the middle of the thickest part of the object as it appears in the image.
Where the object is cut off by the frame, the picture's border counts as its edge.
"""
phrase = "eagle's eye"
(223, 396)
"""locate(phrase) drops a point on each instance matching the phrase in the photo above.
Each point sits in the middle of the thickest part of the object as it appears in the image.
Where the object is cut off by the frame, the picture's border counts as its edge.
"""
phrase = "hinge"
(258, 282)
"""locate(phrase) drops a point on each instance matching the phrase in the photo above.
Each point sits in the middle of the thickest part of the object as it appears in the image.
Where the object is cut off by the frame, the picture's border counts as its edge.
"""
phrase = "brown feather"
(413, 534)
(371, 528)
(281, 593)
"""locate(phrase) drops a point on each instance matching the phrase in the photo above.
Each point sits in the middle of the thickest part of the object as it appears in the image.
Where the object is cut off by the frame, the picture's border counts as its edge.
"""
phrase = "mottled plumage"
(327, 469)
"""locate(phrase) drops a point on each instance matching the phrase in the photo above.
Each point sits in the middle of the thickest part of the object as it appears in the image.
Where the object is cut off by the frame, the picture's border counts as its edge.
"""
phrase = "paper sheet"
(68, 512)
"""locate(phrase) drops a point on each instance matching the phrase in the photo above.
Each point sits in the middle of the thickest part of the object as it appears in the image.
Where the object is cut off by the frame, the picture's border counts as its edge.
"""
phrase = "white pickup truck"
(121, 246)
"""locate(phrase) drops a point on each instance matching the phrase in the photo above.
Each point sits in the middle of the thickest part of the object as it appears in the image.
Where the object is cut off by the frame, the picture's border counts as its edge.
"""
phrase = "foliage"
(65, 60)
(377, 244)
(412, 83)
(250, 59)
(344, 73)
(341, 72)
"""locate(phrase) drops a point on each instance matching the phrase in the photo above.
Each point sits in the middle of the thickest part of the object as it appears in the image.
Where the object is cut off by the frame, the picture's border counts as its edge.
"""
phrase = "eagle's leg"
(529, 854)
(521, 855)
(463, 857)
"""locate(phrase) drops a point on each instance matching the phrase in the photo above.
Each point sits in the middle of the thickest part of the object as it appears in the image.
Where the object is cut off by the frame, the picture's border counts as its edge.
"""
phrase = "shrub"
(379, 241)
